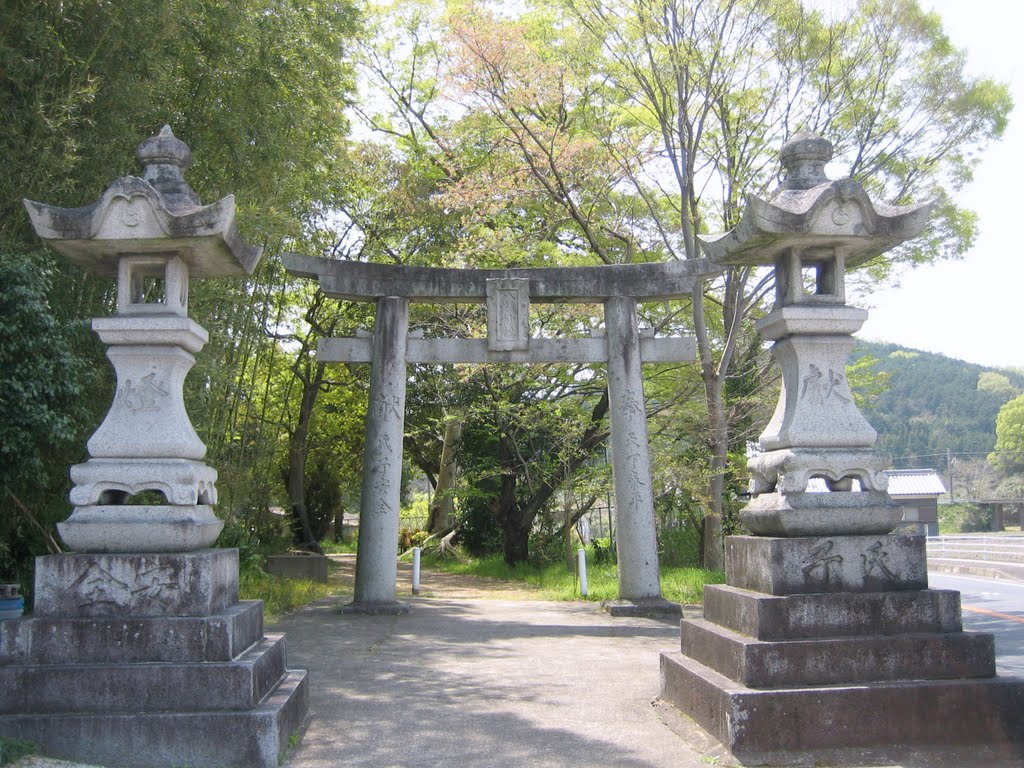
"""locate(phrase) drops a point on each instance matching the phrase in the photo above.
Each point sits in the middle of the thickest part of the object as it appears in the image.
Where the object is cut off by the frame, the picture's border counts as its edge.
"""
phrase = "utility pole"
(949, 474)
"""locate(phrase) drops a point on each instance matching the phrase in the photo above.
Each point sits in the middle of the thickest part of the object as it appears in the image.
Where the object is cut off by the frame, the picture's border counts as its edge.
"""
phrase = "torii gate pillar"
(379, 512)
(636, 541)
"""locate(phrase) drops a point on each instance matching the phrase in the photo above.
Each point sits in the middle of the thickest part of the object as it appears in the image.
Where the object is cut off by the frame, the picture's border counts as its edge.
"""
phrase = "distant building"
(917, 491)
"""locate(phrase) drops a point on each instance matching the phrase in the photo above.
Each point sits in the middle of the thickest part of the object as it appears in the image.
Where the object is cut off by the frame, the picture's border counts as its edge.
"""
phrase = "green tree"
(997, 383)
(1009, 450)
(259, 90)
(646, 124)
(42, 380)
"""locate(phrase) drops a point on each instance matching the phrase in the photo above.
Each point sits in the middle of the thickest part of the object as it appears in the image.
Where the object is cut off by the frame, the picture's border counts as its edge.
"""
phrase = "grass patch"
(340, 547)
(280, 595)
(12, 750)
(555, 582)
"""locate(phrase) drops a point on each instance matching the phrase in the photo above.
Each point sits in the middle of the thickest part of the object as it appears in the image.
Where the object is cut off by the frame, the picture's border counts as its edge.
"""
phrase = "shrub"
(964, 518)
(679, 546)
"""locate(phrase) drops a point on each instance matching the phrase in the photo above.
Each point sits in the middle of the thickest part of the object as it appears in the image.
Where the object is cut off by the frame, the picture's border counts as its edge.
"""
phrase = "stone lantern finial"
(804, 157)
(164, 158)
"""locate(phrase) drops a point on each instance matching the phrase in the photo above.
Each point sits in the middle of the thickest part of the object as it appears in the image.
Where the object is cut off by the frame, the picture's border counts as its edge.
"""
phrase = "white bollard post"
(416, 570)
(581, 558)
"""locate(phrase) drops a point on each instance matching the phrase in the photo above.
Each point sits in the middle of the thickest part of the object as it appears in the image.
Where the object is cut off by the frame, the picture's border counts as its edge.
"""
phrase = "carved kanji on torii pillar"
(508, 294)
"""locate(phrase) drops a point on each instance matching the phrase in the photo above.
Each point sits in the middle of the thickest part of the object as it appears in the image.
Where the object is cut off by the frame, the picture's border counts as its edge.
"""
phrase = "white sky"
(972, 309)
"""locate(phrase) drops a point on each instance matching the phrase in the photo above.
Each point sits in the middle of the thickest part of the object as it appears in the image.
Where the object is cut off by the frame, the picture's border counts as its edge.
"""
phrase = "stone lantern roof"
(811, 213)
(153, 215)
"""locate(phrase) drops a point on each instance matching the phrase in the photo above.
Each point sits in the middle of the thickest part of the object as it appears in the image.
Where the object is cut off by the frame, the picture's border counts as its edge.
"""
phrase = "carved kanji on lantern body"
(152, 234)
(811, 231)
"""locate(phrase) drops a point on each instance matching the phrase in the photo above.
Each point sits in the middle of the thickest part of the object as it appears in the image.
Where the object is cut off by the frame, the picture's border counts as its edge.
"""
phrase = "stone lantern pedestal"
(139, 652)
(825, 637)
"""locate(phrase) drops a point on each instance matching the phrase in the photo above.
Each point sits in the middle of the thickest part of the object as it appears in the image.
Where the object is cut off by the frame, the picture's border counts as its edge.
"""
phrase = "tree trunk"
(514, 529)
(298, 448)
(443, 508)
(516, 543)
(714, 557)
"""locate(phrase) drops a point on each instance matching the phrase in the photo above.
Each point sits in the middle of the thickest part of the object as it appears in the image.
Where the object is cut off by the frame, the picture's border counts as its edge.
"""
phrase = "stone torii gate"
(507, 293)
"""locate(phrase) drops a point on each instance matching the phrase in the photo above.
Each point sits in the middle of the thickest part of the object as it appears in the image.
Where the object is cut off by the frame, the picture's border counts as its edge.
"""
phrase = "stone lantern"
(811, 232)
(138, 650)
(825, 635)
(152, 234)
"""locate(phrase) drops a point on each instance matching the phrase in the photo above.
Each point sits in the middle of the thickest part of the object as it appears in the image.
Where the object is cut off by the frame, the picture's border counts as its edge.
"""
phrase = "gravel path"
(437, 584)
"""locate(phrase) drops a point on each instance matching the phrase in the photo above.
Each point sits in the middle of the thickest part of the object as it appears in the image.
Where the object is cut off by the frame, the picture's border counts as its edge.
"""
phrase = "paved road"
(991, 605)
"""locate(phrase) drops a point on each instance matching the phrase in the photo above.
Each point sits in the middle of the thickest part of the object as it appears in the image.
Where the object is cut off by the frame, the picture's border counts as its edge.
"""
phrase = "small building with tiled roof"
(917, 491)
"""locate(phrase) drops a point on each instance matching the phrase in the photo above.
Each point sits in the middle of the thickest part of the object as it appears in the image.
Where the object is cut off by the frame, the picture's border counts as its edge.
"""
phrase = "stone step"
(220, 637)
(769, 617)
(94, 585)
(144, 687)
(840, 660)
(782, 725)
(255, 738)
(811, 564)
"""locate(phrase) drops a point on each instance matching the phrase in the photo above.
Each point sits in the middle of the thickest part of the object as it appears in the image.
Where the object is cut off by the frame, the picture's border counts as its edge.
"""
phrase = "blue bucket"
(11, 607)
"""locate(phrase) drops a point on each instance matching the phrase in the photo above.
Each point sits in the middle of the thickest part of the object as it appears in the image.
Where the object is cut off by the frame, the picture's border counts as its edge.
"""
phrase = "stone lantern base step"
(780, 726)
(254, 738)
(148, 660)
(144, 528)
(220, 637)
(822, 645)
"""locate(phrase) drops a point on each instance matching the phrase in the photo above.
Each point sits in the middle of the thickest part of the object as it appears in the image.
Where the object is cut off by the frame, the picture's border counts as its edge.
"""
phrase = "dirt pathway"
(437, 584)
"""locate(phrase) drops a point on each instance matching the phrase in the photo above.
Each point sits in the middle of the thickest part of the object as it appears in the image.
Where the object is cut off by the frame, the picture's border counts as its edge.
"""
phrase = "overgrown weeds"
(13, 750)
(554, 581)
(280, 595)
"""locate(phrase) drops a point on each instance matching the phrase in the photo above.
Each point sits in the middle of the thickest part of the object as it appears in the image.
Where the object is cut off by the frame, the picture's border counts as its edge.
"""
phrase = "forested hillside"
(935, 404)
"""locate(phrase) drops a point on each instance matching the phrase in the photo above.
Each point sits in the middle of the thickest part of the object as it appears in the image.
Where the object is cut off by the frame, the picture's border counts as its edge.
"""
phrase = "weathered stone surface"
(652, 606)
(508, 314)
(220, 637)
(821, 514)
(376, 566)
(151, 687)
(136, 586)
(636, 540)
(767, 617)
(776, 726)
(837, 660)
(813, 214)
(668, 349)
(362, 281)
(182, 482)
(147, 419)
(789, 470)
(815, 408)
(225, 738)
(298, 566)
(140, 216)
(788, 566)
(143, 528)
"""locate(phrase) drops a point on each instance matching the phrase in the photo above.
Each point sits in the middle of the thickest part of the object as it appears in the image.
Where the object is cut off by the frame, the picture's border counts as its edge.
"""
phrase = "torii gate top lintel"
(361, 281)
